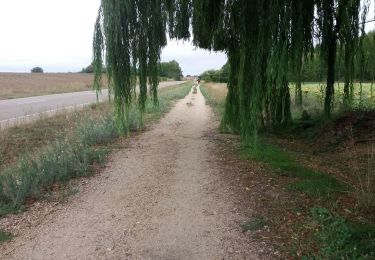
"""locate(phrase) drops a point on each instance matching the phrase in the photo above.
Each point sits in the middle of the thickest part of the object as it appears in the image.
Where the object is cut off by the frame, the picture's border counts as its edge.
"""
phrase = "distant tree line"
(37, 70)
(221, 75)
(314, 69)
(168, 70)
(171, 70)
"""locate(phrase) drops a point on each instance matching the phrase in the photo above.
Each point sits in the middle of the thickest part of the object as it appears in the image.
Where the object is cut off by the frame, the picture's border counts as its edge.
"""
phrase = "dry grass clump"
(27, 138)
(217, 90)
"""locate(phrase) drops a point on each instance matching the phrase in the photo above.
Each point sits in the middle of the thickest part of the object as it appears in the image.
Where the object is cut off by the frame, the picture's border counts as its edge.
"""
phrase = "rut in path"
(157, 199)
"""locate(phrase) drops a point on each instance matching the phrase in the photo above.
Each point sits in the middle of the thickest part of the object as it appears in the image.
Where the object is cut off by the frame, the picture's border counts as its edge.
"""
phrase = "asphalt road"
(13, 111)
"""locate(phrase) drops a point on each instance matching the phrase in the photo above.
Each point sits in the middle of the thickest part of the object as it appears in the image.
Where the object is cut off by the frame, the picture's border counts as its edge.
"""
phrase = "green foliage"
(221, 75)
(312, 71)
(339, 239)
(267, 43)
(130, 34)
(37, 70)
(90, 69)
(170, 70)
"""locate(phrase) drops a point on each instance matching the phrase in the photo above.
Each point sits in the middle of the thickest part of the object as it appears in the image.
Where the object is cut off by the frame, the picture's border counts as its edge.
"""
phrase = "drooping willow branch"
(267, 42)
(129, 35)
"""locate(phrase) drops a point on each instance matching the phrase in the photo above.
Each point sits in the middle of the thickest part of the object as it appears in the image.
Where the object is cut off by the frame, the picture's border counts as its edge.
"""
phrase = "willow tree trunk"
(330, 89)
(298, 95)
(231, 119)
(347, 79)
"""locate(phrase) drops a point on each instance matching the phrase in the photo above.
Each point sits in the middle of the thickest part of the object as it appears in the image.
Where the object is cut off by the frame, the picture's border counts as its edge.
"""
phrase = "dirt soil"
(165, 196)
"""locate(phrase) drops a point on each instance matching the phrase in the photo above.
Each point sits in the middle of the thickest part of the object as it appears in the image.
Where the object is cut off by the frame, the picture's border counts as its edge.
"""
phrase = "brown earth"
(18, 85)
(168, 195)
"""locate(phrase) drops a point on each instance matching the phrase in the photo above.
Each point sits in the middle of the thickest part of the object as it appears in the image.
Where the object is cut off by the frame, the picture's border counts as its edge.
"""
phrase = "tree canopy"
(170, 70)
(221, 75)
(264, 41)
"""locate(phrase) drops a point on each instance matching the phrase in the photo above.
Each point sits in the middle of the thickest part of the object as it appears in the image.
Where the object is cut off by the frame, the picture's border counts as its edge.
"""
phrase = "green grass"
(308, 181)
(283, 163)
(153, 112)
(4, 236)
(337, 238)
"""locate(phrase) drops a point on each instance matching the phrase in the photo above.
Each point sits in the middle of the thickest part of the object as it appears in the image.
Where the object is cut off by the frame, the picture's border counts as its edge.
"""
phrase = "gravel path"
(157, 199)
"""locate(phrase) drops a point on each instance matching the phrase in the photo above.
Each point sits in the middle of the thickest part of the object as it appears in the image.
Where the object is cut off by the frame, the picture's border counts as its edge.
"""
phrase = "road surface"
(14, 111)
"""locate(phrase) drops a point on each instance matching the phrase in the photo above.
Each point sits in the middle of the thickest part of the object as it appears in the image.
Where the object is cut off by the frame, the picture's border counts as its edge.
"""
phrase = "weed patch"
(4, 236)
(339, 239)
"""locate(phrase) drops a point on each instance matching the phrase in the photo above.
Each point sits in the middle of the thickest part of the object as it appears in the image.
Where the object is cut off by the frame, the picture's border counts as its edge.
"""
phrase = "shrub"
(37, 70)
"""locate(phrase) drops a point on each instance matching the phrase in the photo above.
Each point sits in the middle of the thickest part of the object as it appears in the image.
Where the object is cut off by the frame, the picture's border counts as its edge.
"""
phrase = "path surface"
(157, 199)
(20, 107)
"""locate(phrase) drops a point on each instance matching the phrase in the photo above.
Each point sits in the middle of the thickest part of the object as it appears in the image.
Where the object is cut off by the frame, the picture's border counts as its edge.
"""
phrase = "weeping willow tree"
(264, 41)
(129, 36)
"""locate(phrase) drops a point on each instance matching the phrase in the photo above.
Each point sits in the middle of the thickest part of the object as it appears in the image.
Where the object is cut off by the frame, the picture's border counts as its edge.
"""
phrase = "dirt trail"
(157, 199)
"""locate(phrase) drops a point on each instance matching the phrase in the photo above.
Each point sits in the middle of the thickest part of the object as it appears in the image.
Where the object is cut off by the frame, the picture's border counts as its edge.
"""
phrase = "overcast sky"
(57, 35)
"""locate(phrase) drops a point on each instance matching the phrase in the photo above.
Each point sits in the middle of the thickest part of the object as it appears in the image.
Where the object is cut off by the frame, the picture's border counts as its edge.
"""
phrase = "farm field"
(313, 96)
(19, 85)
(312, 99)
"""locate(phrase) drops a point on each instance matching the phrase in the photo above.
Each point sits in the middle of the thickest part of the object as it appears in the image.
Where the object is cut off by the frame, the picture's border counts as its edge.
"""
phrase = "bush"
(37, 70)
(88, 69)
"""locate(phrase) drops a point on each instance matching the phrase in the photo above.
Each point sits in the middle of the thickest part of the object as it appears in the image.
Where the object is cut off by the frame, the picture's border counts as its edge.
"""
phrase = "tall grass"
(215, 96)
(313, 98)
(58, 162)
